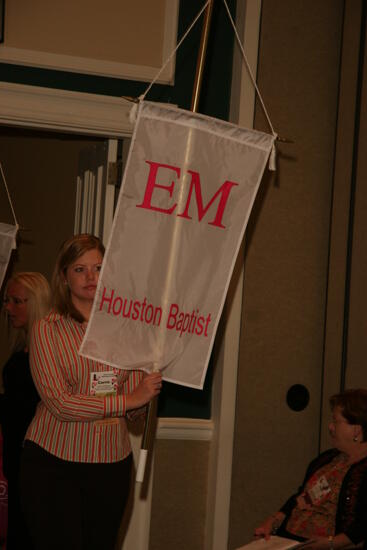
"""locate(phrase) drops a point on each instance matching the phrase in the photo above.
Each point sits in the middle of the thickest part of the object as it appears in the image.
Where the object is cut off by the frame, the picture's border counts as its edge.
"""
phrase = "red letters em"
(195, 184)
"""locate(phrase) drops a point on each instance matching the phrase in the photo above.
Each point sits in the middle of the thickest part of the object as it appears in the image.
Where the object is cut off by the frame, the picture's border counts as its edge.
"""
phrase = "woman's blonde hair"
(69, 252)
(38, 304)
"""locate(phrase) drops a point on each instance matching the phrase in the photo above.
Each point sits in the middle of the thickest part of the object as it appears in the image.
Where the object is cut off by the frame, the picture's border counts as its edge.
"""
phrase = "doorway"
(41, 169)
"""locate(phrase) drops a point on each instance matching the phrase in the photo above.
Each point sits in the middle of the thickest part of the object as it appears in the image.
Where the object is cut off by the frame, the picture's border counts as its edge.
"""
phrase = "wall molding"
(62, 110)
(185, 429)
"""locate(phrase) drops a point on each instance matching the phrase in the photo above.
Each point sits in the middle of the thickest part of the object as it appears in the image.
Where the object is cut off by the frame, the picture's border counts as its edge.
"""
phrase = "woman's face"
(342, 433)
(15, 304)
(82, 277)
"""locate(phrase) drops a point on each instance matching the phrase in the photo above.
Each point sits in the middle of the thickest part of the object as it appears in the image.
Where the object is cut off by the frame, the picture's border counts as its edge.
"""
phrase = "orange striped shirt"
(70, 423)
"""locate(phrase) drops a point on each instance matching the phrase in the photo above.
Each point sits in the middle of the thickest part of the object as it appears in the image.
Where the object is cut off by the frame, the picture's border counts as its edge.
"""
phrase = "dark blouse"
(351, 516)
(17, 407)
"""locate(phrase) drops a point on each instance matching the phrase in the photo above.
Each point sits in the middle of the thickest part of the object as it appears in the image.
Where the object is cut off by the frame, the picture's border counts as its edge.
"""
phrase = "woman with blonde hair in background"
(26, 300)
(76, 464)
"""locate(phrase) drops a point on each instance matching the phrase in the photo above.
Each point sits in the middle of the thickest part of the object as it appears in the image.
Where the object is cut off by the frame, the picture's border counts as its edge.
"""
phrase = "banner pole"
(149, 430)
(150, 422)
(201, 57)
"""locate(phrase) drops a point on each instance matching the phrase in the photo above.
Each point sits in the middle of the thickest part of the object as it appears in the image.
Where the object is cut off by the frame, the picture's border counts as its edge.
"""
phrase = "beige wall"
(286, 260)
(179, 495)
(356, 372)
(339, 329)
(128, 40)
(124, 32)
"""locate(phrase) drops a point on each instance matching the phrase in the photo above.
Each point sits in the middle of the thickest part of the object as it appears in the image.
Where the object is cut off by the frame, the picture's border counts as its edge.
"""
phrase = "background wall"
(179, 495)
(355, 371)
(115, 34)
(123, 40)
(288, 269)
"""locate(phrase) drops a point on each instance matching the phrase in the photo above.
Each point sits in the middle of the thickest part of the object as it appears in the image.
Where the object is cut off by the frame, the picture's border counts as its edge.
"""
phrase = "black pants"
(18, 535)
(72, 505)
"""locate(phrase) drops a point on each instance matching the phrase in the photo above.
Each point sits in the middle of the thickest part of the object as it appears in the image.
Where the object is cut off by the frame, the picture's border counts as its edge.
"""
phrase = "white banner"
(7, 244)
(188, 188)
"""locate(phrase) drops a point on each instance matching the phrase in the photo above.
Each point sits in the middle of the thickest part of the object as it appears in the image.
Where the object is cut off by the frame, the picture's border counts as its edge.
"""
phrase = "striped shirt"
(70, 423)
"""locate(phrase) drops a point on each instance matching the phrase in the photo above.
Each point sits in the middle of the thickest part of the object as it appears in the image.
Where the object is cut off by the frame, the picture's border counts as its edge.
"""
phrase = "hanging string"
(249, 69)
(142, 96)
(133, 111)
(272, 158)
(9, 197)
(175, 50)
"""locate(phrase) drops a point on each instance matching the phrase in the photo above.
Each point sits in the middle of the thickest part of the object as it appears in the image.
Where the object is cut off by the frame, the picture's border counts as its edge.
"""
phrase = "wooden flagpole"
(150, 423)
(201, 57)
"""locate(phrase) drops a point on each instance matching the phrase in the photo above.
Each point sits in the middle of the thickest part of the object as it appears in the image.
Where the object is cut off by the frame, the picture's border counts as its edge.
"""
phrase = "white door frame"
(64, 111)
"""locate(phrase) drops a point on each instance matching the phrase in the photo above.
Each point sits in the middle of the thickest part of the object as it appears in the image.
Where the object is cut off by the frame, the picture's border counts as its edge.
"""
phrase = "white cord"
(133, 112)
(175, 50)
(7, 191)
(249, 68)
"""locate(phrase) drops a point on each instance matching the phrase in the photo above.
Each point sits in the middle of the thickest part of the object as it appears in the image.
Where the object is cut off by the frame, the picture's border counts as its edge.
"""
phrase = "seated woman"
(330, 508)
(26, 299)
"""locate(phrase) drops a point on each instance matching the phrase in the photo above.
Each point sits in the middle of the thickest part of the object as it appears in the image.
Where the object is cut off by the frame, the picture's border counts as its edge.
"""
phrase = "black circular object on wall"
(298, 397)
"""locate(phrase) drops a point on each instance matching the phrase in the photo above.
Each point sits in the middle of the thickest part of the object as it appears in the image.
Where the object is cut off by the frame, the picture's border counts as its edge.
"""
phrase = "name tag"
(103, 383)
(319, 490)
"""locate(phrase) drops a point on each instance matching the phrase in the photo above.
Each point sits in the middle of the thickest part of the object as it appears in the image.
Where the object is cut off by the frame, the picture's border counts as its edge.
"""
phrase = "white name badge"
(319, 490)
(103, 383)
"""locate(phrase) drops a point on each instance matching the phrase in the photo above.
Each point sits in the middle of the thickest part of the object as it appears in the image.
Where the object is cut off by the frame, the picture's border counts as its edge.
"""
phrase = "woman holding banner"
(26, 299)
(76, 465)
